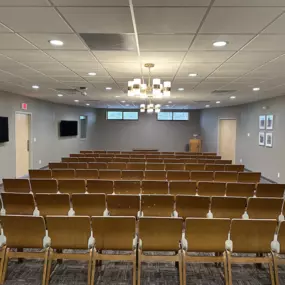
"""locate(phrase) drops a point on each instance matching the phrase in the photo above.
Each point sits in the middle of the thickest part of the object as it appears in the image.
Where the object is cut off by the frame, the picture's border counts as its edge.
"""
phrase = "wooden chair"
(80, 154)
(190, 161)
(174, 166)
(86, 151)
(123, 205)
(152, 156)
(53, 204)
(151, 160)
(70, 159)
(87, 174)
(44, 185)
(72, 186)
(160, 234)
(86, 159)
(249, 177)
(206, 161)
(270, 190)
(202, 175)
(225, 176)
(17, 185)
(214, 167)
(137, 160)
(94, 155)
(116, 234)
(264, 208)
(194, 166)
(100, 186)
(192, 206)
(97, 165)
(78, 165)
(155, 166)
(135, 166)
(208, 153)
(110, 174)
(104, 159)
(154, 187)
(171, 160)
(58, 165)
(155, 175)
(182, 187)
(89, 204)
(63, 173)
(223, 161)
(228, 207)
(177, 175)
(117, 165)
(24, 232)
(211, 188)
(127, 187)
(17, 203)
(197, 233)
(251, 236)
(234, 167)
(240, 189)
(157, 205)
(132, 174)
(69, 233)
(121, 159)
(40, 174)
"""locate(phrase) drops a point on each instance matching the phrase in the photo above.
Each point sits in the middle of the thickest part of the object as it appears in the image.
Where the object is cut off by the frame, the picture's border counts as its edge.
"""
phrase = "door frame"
(218, 138)
(30, 139)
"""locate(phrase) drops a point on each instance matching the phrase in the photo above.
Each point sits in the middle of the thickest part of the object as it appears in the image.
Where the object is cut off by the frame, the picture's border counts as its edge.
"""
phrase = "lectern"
(195, 145)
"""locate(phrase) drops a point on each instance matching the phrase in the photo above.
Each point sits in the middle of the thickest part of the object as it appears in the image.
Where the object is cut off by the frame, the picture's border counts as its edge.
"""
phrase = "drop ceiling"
(177, 36)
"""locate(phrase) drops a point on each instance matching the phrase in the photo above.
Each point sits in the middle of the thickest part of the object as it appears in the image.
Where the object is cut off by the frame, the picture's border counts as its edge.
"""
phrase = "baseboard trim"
(265, 178)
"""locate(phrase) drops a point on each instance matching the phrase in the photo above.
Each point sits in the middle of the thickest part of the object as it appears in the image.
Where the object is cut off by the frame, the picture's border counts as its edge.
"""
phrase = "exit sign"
(24, 106)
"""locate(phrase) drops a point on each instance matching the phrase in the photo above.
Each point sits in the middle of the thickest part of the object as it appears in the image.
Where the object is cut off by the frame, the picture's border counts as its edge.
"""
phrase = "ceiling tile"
(12, 41)
(215, 79)
(69, 56)
(24, 3)
(253, 19)
(208, 56)
(99, 20)
(71, 41)
(33, 20)
(90, 3)
(267, 43)
(82, 68)
(4, 29)
(277, 27)
(130, 70)
(173, 20)
(27, 55)
(170, 3)
(203, 69)
(256, 56)
(165, 42)
(162, 69)
(234, 69)
(116, 56)
(162, 57)
(257, 3)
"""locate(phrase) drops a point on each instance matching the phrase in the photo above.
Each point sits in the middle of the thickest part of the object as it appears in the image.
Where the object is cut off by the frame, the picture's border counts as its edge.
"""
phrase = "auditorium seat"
(206, 161)
(72, 186)
(202, 175)
(18, 203)
(80, 154)
(53, 204)
(155, 166)
(154, 160)
(17, 185)
(136, 160)
(78, 165)
(171, 160)
(100, 186)
(279, 253)
(249, 177)
(182, 187)
(157, 205)
(89, 204)
(28, 233)
(206, 235)
(211, 188)
(225, 176)
(127, 187)
(154, 187)
(86, 151)
(86, 159)
(270, 190)
(155, 175)
(135, 166)
(160, 235)
(223, 161)
(117, 165)
(123, 205)
(63, 173)
(121, 160)
(228, 207)
(132, 174)
(264, 208)
(174, 166)
(192, 206)
(40, 174)
(87, 173)
(104, 159)
(70, 159)
(116, 234)
(214, 167)
(110, 174)
(44, 185)
(234, 167)
(58, 165)
(251, 236)
(70, 233)
(240, 189)
(97, 165)
(190, 161)
(194, 166)
(177, 175)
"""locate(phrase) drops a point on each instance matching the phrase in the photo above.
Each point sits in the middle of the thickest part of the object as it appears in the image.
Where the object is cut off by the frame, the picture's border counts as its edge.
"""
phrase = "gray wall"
(269, 161)
(45, 118)
(147, 132)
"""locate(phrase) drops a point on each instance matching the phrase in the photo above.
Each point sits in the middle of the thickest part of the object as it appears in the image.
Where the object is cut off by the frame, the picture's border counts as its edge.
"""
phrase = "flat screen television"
(68, 128)
(4, 129)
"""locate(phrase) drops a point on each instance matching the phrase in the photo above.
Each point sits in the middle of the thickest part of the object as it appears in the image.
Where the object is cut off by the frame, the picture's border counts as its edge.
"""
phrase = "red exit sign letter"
(24, 106)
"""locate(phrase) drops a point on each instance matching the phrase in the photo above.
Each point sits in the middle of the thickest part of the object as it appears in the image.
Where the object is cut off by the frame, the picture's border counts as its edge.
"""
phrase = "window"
(83, 127)
(131, 116)
(114, 115)
(119, 115)
(180, 116)
(164, 116)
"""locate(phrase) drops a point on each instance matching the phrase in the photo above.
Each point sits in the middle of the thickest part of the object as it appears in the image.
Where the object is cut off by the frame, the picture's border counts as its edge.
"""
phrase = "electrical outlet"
(240, 160)
(278, 174)
(40, 162)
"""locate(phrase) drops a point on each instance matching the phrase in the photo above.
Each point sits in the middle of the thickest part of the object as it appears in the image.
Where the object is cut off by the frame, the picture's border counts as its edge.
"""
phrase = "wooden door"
(227, 139)
(22, 136)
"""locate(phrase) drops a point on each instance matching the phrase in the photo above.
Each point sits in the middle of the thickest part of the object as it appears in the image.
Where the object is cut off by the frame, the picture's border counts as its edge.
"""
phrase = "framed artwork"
(269, 122)
(269, 140)
(262, 122)
(261, 138)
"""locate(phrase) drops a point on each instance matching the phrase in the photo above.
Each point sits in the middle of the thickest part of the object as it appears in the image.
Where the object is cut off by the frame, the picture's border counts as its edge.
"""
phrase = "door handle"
(28, 145)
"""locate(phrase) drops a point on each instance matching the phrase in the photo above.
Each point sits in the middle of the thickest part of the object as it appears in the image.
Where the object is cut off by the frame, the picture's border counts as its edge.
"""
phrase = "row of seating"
(142, 205)
(116, 152)
(133, 240)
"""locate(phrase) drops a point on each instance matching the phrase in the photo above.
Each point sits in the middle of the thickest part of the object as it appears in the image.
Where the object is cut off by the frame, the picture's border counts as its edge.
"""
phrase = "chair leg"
(5, 266)
(94, 265)
(226, 268)
(135, 268)
(90, 263)
(180, 267)
(49, 265)
(184, 268)
(229, 267)
(139, 266)
(275, 265)
(45, 267)
(3, 252)
(271, 270)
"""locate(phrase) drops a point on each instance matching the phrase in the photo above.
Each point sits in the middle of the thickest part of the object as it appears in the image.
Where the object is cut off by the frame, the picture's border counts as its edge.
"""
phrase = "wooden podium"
(195, 145)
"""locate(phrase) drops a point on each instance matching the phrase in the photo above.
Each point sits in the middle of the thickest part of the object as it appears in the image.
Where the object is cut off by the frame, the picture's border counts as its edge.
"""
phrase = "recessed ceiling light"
(192, 74)
(108, 88)
(169, 102)
(117, 96)
(256, 89)
(56, 43)
(35, 86)
(87, 104)
(220, 44)
(181, 89)
(233, 97)
(218, 102)
(76, 101)
(59, 95)
(123, 101)
(92, 73)
(207, 106)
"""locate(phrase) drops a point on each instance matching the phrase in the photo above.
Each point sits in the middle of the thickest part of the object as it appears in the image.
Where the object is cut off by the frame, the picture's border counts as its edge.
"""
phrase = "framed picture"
(269, 140)
(269, 122)
(262, 122)
(261, 138)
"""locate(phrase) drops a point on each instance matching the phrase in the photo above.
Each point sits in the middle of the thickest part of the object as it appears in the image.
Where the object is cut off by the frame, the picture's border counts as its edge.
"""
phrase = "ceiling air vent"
(223, 92)
(70, 91)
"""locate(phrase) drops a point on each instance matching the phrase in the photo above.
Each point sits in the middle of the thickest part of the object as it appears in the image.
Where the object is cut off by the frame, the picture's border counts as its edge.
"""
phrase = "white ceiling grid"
(177, 36)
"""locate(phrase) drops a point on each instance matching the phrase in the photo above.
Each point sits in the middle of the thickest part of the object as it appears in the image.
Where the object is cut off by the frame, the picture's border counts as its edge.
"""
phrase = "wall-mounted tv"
(68, 128)
(4, 129)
